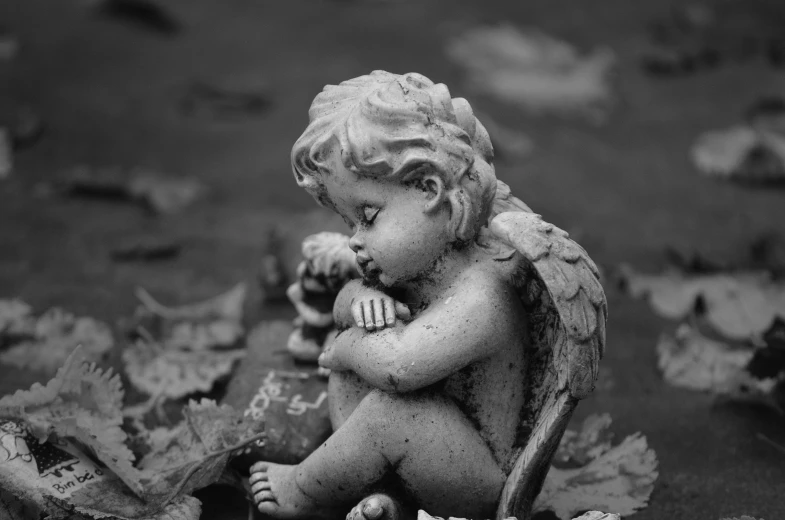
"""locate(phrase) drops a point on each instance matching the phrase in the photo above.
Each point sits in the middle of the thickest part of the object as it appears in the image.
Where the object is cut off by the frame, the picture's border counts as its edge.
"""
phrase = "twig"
(196, 464)
(775, 445)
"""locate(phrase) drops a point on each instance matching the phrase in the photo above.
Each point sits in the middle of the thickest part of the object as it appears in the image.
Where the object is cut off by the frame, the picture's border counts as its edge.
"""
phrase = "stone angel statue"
(474, 329)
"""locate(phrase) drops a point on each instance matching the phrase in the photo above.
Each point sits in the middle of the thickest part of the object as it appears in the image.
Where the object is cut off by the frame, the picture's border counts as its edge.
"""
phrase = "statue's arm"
(446, 338)
(342, 308)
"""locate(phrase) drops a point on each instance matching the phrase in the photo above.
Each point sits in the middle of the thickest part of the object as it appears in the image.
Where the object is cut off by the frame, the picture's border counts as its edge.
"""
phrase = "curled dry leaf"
(738, 305)
(40, 465)
(45, 343)
(226, 306)
(691, 360)
(619, 478)
(598, 515)
(81, 402)
(535, 71)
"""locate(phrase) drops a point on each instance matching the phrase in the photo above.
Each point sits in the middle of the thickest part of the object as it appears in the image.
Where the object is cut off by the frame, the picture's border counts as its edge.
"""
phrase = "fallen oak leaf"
(619, 478)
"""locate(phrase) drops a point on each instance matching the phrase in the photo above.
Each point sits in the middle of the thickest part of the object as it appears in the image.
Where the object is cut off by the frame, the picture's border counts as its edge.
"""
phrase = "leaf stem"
(195, 466)
(771, 443)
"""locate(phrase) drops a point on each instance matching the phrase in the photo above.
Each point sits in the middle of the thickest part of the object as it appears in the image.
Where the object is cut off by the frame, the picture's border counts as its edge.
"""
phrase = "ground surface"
(109, 94)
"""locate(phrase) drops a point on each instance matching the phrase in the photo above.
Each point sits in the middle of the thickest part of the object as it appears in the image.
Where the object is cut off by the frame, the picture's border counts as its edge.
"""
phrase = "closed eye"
(370, 213)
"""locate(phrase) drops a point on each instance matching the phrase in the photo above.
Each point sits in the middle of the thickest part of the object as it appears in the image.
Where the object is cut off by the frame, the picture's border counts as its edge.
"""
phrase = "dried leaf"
(176, 373)
(81, 402)
(223, 103)
(769, 361)
(581, 447)
(226, 306)
(12, 508)
(110, 499)
(619, 478)
(43, 475)
(156, 192)
(16, 317)
(534, 70)
(164, 194)
(52, 338)
(691, 360)
(597, 515)
(196, 456)
(738, 305)
(146, 248)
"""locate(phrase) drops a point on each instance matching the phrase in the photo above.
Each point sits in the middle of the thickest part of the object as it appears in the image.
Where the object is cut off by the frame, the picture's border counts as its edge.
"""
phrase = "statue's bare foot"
(376, 507)
(276, 493)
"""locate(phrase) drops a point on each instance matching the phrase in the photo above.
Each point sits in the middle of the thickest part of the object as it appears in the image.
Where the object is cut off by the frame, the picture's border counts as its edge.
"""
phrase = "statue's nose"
(355, 244)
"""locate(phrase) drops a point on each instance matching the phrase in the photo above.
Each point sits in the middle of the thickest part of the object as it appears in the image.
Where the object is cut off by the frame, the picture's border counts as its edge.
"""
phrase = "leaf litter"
(535, 71)
(611, 478)
(750, 153)
(158, 193)
(82, 405)
(179, 351)
(43, 343)
(738, 305)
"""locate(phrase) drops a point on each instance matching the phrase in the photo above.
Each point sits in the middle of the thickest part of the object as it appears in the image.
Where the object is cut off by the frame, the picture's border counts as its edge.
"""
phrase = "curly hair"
(398, 127)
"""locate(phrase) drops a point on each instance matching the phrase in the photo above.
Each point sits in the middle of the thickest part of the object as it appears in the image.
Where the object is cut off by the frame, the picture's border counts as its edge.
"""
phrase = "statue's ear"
(435, 192)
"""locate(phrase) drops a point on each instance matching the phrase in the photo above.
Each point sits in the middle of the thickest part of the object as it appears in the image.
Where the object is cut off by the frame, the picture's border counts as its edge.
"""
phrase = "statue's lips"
(366, 265)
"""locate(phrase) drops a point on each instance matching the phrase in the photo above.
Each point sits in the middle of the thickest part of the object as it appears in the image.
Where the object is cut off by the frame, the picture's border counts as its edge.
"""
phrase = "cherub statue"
(474, 331)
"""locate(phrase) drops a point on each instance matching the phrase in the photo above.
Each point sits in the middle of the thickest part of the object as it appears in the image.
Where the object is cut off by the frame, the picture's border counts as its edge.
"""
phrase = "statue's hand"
(376, 310)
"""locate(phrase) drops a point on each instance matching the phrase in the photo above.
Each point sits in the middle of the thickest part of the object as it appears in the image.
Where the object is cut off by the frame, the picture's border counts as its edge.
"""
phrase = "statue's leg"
(346, 391)
(421, 438)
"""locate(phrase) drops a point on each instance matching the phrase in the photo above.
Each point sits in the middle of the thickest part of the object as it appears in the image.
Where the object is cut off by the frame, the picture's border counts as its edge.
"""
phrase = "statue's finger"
(378, 313)
(389, 311)
(403, 311)
(257, 467)
(260, 486)
(257, 477)
(368, 315)
(264, 496)
(357, 314)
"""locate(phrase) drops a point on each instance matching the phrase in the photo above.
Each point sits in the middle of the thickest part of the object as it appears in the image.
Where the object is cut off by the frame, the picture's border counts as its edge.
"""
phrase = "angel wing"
(560, 288)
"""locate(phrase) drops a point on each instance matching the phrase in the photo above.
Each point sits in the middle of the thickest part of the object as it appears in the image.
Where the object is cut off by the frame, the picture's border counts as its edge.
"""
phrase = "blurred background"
(147, 144)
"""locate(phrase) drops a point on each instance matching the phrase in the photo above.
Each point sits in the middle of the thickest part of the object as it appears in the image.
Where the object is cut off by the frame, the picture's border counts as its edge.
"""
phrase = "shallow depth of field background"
(110, 94)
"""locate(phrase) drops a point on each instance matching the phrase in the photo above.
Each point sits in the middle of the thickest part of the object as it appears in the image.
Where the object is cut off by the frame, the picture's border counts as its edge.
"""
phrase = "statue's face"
(396, 239)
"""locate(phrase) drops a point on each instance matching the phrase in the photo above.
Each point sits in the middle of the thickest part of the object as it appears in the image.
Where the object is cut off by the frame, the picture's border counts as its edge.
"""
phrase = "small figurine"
(472, 334)
(327, 266)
